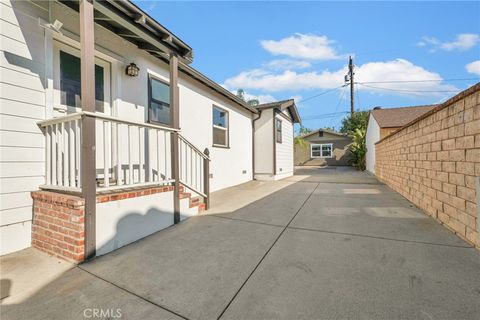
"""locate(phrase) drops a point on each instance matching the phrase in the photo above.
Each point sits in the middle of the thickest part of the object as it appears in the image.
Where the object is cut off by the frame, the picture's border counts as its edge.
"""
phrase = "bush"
(358, 149)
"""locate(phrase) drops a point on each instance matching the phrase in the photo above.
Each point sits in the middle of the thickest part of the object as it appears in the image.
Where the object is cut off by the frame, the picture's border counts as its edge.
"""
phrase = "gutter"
(253, 143)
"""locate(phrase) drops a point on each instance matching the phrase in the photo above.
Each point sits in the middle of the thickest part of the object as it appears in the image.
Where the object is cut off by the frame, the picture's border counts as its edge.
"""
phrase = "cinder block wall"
(434, 162)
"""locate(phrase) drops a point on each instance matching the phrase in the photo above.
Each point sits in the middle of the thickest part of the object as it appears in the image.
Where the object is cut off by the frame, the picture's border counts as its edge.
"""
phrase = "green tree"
(298, 140)
(250, 102)
(358, 120)
(358, 149)
(303, 131)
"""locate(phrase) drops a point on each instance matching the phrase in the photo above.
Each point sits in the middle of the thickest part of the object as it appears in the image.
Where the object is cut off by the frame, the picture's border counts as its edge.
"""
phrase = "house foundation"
(59, 219)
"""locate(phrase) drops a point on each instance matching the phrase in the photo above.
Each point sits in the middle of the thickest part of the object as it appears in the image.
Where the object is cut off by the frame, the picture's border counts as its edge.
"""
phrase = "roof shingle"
(398, 117)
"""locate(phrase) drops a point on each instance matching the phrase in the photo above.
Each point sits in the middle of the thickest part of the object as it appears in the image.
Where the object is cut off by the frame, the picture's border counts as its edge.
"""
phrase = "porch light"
(132, 70)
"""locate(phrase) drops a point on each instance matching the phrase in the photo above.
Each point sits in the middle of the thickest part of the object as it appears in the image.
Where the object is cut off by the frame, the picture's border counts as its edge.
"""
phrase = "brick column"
(59, 225)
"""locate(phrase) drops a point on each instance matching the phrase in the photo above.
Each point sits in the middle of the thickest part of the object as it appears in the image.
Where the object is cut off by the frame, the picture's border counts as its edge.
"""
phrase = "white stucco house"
(382, 122)
(107, 134)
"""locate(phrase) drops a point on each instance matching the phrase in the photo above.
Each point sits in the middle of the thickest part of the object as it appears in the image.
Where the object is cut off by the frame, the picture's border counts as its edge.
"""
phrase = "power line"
(413, 81)
(325, 115)
(321, 94)
(401, 90)
(338, 104)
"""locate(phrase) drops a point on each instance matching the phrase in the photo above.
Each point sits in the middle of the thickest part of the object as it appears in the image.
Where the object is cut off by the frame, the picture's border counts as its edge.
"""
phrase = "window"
(278, 130)
(220, 127)
(158, 101)
(70, 82)
(321, 150)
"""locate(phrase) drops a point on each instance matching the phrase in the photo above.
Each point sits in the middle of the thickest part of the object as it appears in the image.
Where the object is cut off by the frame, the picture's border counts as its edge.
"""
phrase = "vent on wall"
(320, 133)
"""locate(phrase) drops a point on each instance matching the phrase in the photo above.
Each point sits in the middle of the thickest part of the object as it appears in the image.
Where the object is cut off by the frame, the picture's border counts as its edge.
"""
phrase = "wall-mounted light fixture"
(132, 70)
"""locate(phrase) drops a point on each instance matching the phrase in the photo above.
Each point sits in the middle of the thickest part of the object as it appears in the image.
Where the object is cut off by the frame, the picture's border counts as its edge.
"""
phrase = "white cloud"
(462, 42)
(285, 64)
(303, 46)
(399, 69)
(473, 67)
(287, 80)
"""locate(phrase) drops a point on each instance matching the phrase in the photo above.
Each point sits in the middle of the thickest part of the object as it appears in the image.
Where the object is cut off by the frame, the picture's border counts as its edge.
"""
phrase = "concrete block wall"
(435, 162)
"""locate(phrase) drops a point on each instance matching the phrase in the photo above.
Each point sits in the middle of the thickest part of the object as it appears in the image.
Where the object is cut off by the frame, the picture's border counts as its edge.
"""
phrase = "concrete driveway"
(324, 244)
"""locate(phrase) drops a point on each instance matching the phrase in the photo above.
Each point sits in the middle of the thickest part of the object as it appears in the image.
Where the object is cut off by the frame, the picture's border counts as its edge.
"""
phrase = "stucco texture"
(340, 154)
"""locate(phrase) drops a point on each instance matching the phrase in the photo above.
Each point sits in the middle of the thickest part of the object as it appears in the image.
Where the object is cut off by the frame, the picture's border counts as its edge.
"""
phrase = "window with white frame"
(220, 127)
(321, 150)
(278, 130)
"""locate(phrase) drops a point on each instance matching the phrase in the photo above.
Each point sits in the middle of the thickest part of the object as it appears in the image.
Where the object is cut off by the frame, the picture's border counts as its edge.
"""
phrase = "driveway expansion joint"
(248, 221)
(380, 238)
(133, 293)
(267, 252)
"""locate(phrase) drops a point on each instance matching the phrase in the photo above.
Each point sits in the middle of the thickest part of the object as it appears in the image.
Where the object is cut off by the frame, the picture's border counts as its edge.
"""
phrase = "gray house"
(323, 147)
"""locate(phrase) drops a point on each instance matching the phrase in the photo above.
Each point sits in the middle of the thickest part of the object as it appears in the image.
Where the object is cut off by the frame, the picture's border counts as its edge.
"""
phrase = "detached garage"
(323, 148)
(273, 140)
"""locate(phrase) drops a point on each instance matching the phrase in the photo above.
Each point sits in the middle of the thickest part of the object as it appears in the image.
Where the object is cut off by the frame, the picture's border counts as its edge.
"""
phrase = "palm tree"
(250, 102)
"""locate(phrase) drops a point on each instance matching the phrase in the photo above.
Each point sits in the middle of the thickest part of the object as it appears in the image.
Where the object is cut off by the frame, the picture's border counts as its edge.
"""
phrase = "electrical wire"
(338, 104)
(401, 90)
(321, 94)
(413, 81)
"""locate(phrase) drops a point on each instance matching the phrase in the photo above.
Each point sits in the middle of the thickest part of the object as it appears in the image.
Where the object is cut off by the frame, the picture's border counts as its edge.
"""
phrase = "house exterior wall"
(435, 163)
(284, 150)
(264, 145)
(22, 104)
(28, 95)
(340, 151)
(371, 137)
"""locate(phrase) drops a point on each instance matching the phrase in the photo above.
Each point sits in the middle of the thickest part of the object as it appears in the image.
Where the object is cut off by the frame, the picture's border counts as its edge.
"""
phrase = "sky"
(405, 53)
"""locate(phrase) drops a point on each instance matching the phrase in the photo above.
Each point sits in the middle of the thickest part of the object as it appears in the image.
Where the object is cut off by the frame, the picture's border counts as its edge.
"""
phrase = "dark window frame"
(150, 99)
(278, 134)
(227, 128)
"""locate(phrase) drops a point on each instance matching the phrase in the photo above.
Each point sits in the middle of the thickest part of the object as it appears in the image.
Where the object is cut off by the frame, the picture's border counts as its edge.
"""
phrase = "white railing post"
(78, 151)
(71, 150)
(48, 155)
(130, 155)
(119, 159)
(106, 178)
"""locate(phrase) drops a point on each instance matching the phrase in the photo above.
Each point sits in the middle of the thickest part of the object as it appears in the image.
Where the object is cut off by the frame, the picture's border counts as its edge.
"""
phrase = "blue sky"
(279, 50)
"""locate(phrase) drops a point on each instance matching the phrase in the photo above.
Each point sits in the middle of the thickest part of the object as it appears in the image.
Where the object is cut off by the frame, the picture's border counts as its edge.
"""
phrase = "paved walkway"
(324, 244)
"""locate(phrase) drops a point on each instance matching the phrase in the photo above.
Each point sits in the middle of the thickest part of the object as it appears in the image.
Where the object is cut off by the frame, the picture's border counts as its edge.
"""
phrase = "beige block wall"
(434, 162)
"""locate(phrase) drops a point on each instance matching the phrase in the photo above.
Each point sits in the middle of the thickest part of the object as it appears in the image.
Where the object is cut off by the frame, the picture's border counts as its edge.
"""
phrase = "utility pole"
(351, 73)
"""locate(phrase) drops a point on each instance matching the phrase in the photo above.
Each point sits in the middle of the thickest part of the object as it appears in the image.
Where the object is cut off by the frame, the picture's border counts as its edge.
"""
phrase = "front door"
(67, 82)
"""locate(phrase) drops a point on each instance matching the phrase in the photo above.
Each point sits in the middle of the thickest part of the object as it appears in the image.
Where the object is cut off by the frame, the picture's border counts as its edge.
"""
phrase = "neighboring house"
(383, 122)
(273, 147)
(323, 148)
(136, 146)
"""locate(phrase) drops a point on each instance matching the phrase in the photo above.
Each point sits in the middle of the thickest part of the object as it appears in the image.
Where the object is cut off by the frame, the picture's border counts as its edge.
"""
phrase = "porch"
(135, 186)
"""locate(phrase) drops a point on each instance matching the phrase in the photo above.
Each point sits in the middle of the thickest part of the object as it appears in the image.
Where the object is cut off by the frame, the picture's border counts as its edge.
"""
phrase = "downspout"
(253, 143)
(275, 111)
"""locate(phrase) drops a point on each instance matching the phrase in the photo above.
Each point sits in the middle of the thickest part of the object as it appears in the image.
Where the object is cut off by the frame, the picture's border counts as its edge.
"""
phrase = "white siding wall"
(372, 136)
(22, 104)
(284, 150)
(264, 144)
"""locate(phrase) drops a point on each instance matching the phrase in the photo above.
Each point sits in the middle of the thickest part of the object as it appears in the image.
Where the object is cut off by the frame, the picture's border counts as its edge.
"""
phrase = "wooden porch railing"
(128, 154)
